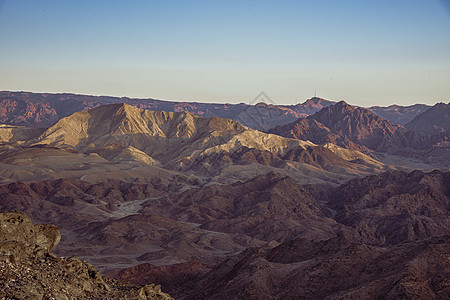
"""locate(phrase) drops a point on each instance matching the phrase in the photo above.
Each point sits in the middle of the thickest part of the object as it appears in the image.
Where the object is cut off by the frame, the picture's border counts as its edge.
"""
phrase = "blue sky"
(365, 52)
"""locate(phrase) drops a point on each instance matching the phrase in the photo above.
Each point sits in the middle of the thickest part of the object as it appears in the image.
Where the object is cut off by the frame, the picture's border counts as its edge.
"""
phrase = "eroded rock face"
(29, 271)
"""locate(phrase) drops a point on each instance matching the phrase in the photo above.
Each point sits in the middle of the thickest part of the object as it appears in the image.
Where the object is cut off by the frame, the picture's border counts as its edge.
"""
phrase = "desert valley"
(319, 200)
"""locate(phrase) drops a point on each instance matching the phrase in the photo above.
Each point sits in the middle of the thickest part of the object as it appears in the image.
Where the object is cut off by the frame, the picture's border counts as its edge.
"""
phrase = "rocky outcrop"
(29, 271)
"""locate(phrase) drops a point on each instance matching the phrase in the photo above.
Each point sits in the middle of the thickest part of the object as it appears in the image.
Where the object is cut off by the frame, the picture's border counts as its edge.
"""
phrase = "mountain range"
(271, 207)
(185, 142)
(43, 109)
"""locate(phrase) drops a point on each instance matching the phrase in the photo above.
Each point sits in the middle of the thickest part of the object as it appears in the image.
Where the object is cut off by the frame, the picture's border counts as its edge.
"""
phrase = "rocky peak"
(341, 106)
(315, 101)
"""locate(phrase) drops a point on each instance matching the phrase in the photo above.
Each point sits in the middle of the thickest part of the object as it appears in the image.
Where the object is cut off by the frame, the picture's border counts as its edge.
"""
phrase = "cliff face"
(29, 271)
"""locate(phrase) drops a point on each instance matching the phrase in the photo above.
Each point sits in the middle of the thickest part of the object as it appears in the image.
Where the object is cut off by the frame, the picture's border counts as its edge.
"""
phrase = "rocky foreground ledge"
(29, 271)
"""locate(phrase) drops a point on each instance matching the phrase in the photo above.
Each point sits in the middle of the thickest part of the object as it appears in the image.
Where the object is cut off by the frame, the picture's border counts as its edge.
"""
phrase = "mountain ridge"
(44, 109)
(182, 141)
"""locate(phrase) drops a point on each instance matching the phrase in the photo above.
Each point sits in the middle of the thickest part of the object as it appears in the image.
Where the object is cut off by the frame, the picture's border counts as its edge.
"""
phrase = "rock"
(48, 236)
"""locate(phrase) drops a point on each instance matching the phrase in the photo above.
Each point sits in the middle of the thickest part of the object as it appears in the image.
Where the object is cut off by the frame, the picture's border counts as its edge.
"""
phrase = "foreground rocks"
(29, 271)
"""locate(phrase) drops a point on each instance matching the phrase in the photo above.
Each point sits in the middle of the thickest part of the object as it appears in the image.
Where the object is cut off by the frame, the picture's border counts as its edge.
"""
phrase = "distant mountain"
(351, 127)
(399, 114)
(264, 116)
(43, 109)
(435, 120)
(313, 105)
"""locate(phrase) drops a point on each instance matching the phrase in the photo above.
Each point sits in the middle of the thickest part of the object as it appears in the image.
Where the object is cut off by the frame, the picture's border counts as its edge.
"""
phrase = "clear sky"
(365, 52)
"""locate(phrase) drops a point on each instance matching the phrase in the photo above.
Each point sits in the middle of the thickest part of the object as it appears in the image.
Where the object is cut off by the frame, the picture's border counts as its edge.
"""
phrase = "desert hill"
(264, 116)
(44, 109)
(409, 206)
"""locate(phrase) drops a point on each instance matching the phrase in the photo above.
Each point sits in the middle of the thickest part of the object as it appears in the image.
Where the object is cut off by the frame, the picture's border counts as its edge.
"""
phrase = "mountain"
(434, 121)
(44, 109)
(164, 136)
(352, 128)
(182, 142)
(313, 105)
(210, 208)
(397, 226)
(264, 116)
(28, 270)
(399, 114)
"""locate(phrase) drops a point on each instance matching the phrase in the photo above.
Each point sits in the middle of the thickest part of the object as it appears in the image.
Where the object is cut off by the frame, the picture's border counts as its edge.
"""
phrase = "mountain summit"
(350, 127)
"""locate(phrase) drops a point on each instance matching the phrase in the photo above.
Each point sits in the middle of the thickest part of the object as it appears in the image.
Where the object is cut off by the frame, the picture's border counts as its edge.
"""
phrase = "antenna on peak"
(315, 93)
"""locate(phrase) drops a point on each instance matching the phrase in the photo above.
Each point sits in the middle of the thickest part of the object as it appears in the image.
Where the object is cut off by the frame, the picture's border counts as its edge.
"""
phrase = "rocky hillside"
(324, 233)
(28, 269)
